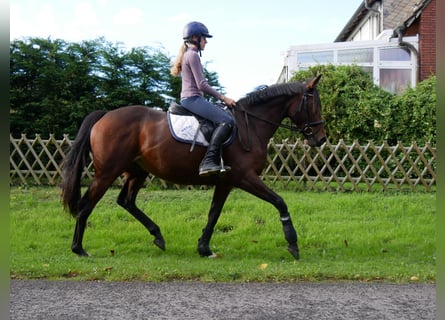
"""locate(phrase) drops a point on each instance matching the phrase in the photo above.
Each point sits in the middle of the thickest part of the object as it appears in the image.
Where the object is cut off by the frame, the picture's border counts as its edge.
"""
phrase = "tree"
(54, 84)
(50, 85)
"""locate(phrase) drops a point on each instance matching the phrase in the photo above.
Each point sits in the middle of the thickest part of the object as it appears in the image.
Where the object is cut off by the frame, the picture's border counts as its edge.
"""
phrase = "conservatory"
(392, 62)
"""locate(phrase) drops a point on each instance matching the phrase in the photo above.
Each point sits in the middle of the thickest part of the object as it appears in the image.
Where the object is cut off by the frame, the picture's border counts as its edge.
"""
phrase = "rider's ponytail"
(177, 64)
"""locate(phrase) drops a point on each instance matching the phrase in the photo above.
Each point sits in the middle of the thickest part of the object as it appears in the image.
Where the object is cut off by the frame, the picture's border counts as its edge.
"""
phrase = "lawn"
(378, 236)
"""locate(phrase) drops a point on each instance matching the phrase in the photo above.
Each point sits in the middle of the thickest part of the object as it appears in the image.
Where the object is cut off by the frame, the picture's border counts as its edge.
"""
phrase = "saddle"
(187, 127)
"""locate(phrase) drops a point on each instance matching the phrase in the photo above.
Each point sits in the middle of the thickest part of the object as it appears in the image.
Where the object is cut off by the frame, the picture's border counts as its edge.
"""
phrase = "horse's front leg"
(290, 234)
(219, 198)
(255, 186)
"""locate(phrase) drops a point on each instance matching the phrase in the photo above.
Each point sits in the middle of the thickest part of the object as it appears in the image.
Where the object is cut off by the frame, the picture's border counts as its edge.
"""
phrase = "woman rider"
(194, 86)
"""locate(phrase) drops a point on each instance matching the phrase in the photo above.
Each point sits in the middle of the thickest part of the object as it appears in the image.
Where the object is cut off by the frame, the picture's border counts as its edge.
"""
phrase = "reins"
(307, 130)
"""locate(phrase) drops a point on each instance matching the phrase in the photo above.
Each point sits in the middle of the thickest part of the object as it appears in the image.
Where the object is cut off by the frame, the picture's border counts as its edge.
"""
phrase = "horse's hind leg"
(94, 193)
(219, 198)
(127, 199)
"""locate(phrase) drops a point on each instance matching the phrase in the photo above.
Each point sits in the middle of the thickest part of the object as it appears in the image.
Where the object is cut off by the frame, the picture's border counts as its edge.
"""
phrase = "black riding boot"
(212, 162)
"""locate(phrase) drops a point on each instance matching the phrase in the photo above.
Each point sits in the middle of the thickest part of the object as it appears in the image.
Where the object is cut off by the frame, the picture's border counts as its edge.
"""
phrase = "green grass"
(356, 236)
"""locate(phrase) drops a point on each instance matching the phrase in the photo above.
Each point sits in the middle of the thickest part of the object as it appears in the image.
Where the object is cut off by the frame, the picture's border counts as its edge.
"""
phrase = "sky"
(250, 37)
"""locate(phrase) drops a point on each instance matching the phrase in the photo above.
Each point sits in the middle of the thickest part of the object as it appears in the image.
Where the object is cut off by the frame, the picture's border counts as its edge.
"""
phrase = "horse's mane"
(266, 93)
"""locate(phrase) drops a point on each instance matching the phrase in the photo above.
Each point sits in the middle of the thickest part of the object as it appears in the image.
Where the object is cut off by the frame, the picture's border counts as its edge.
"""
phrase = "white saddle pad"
(185, 128)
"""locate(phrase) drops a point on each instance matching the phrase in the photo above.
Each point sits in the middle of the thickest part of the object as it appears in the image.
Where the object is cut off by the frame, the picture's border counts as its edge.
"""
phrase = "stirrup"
(214, 171)
(223, 169)
(220, 169)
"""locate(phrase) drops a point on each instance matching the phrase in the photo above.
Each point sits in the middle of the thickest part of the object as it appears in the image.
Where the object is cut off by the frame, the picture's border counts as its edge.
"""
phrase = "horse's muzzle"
(314, 142)
(321, 141)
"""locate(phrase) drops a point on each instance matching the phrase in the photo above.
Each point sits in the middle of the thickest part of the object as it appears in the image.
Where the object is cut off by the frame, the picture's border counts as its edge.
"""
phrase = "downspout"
(411, 48)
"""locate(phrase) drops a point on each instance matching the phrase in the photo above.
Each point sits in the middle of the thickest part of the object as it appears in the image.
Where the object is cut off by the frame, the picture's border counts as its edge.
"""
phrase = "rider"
(194, 85)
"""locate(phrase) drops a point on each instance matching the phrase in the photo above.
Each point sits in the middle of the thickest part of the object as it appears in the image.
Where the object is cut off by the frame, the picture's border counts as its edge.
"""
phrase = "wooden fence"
(331, 167)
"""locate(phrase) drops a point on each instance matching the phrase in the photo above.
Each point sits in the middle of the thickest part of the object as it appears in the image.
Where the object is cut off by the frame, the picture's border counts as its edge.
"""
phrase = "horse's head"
(306, 114)
(271, 104)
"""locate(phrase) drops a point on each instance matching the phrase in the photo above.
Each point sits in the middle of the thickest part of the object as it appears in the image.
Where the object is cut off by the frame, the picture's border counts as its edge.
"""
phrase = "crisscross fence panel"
(331, 167)
(354, 167)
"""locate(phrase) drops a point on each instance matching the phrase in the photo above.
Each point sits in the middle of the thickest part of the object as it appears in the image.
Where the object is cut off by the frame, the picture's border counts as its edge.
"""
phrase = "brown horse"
(136, 141)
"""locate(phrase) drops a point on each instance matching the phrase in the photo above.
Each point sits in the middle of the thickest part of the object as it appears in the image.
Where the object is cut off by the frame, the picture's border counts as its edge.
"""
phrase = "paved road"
(67, 300)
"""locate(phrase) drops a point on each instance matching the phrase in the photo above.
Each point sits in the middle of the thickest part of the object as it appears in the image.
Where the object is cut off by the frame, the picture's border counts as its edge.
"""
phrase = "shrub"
(354, 108)
(414, 113)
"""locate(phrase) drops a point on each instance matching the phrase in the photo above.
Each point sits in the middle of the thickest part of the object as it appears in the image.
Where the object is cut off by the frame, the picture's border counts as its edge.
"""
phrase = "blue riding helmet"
(195, 29)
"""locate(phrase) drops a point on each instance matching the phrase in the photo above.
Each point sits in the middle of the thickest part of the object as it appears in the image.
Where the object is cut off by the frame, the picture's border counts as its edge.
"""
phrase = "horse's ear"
(311, 84)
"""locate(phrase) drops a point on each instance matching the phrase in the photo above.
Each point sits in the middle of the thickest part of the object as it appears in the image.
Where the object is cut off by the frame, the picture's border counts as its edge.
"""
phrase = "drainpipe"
(410, 47)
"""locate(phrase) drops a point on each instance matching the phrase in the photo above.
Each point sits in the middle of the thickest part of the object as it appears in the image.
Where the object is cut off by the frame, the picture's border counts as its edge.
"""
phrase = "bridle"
(307, 130)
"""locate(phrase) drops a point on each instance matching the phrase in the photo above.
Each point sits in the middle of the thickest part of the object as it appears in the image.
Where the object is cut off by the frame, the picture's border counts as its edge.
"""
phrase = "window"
(394, 54)
(395, 80)
(368, 70)
(355, 55)
(321, 57)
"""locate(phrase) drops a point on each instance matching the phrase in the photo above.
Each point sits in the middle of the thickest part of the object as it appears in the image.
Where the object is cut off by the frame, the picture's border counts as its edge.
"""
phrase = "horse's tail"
(75, 161)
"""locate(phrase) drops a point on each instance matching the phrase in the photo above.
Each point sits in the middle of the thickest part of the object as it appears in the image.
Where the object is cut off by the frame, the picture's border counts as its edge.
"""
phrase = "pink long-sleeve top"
(193, 81)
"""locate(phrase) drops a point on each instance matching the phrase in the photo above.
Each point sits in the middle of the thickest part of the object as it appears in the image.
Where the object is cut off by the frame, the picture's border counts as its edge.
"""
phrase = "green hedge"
(356, 109)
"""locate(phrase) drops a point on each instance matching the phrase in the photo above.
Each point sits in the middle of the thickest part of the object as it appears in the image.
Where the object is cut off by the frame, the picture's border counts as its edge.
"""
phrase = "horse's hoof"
(210, 255)
(160, 243)
(80, 252)
(293, 249)
(204, 250)
(206, 254)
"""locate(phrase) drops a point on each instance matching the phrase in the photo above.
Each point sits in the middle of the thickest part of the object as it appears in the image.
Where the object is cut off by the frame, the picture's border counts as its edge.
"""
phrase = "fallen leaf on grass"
(263, 266)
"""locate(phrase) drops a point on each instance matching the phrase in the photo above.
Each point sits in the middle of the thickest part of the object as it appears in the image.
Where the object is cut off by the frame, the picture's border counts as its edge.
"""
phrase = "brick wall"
(427, 41)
